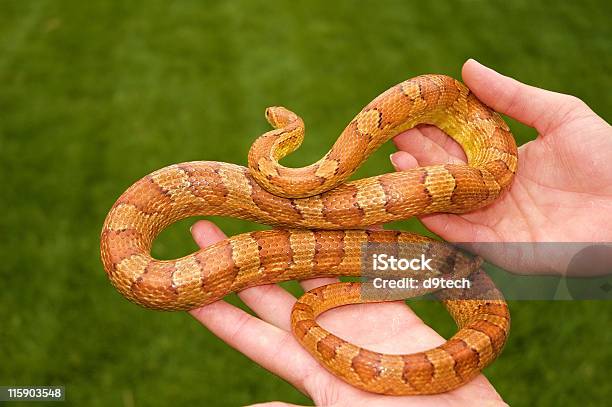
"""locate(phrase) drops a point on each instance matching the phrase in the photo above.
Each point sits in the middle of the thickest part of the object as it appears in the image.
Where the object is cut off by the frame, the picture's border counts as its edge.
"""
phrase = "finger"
(434, 134)
(270, 302)
(206, 233)
(424, 149)
(459, 228)
(271, 347)
(532, 106)
(450, 227)
(401, 161)
(274, 404)
(444, 140)
(311, 283)
(431, 131)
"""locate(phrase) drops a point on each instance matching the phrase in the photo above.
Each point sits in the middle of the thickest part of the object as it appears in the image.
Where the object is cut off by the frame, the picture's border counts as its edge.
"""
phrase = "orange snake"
(326, 219)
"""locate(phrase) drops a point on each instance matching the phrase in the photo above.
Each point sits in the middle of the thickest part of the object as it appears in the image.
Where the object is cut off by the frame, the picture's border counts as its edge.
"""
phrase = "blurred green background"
(96, 94)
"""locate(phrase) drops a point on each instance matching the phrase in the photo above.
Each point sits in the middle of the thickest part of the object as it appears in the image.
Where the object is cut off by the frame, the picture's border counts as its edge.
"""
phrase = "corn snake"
(321, 220)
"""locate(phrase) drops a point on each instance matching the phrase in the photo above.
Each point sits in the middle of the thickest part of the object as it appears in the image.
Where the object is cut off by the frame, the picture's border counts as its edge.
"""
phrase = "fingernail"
(392, 159)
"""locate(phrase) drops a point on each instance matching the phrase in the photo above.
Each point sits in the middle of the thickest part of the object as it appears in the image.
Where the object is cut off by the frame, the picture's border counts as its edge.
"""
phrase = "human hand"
(268, 340)
(562, 191)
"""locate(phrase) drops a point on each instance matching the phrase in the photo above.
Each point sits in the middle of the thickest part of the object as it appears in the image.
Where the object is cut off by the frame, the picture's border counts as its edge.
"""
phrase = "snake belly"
(320, 222)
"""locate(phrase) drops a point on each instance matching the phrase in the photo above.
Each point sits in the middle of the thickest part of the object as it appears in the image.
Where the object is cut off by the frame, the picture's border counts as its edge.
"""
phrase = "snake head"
(280, 117)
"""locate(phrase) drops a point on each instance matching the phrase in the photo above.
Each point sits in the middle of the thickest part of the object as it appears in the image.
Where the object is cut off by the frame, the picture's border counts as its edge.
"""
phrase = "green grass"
(93, 95)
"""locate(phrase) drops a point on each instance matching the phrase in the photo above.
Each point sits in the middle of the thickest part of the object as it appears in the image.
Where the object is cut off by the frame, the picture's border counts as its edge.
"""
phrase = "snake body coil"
(325, 219)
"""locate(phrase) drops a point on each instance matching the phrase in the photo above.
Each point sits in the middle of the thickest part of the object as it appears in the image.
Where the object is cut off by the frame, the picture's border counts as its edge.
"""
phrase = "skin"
(555, 197)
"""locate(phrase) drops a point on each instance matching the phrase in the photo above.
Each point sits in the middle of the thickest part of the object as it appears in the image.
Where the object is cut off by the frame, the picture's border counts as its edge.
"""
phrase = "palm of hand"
(389, 328)
(562, 187)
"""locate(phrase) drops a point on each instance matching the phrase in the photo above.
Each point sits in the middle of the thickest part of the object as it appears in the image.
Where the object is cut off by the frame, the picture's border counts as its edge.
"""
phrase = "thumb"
(532, 106)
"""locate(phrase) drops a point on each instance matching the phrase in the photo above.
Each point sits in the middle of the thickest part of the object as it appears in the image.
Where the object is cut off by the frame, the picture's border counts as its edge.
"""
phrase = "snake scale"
(321, 228)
